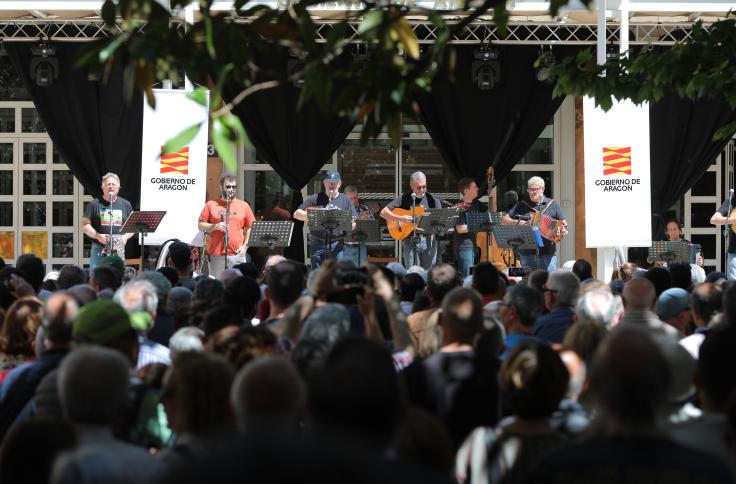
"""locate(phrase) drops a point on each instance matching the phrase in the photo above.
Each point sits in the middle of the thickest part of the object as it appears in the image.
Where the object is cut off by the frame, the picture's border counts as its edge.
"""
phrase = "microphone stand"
(727, 228)
(227, 225)
(109, 241)
(414, 238)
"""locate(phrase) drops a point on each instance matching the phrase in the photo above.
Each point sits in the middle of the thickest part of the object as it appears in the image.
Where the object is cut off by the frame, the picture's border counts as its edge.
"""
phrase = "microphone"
(730, 193)
(413, 196)
(111, 194)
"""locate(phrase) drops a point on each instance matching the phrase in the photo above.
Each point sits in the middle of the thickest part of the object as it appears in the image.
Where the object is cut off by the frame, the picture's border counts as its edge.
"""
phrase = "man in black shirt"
(722, 217)
(418, 249)
(462, 240)
(103, 216)
(329, 198)
(520, 215)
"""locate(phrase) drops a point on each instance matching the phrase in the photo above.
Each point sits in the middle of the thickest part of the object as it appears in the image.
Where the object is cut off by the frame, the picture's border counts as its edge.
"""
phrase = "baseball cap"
(100, 322)
(333, 176)
(397, 268)
(671, 302)
(113, 260)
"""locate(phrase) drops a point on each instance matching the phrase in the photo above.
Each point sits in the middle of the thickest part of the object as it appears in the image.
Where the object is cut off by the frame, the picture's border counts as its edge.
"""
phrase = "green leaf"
(393, 125)
(209, 36)
(180, 140)
(233, 122)
(372, 19)
(225, 144)
(725, 132)
(109, 10)
(337, 33)
(109, 50)
(199, 96)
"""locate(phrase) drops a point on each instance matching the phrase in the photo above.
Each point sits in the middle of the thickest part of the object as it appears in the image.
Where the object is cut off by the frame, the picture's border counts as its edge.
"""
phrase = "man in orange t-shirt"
(215, 220)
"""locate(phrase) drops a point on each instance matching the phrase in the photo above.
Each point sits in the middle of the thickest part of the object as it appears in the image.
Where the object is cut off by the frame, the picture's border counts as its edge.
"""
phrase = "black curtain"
(474, 128)
(295, 142)
(682, 145)
(92, 127)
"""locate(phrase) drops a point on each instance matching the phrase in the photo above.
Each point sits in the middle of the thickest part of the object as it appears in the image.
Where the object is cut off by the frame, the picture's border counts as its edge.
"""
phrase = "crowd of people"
(365, 374)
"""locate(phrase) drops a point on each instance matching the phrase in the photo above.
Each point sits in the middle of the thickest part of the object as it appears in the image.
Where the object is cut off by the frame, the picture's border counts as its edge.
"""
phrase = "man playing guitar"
(418, 249)
(523, 213)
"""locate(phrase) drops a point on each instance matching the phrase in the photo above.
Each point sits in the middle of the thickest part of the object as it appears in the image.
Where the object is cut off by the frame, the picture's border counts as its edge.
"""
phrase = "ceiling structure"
(656, 22)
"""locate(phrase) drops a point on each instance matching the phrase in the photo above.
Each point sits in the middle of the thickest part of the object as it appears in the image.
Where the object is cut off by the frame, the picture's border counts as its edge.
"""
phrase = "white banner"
(617, 183)
(176, 182)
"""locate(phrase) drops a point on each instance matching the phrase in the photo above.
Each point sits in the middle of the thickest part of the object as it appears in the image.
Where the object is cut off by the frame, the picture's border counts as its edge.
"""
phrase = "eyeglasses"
(230, 187)
(535, 189)
(546, 289)
(421, 187)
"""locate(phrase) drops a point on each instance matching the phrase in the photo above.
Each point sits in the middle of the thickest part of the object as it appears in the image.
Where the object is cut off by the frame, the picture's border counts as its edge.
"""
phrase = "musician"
(330, 197)
(215, 220)
(419, 249)
(674, 232)
(358, 253)
(102, 213)
(463, 241)
(722, 217)
(521, 213)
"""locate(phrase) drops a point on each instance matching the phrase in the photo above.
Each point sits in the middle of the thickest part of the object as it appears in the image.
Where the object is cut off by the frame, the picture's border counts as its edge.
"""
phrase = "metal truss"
(541, 33)
(518, 33)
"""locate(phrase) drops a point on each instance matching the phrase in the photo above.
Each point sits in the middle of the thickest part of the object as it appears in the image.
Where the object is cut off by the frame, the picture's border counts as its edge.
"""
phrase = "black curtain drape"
(296, 143)
(474, 128)
(682, 145)
(92, 127)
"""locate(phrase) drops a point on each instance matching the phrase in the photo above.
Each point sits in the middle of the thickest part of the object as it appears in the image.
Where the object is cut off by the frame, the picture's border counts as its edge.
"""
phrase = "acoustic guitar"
(402, 230)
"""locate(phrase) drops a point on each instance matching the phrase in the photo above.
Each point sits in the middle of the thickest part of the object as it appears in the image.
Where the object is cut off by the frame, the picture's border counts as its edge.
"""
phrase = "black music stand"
(271, 233)
(328, 220)
(437, 221)
(516, 238)
(479, 222)
(670, 251)
(142, 222)
(364, 231)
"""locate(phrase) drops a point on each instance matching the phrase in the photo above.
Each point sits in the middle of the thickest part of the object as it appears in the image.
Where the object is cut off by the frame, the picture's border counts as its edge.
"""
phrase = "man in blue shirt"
(520, 307)
(560, 295)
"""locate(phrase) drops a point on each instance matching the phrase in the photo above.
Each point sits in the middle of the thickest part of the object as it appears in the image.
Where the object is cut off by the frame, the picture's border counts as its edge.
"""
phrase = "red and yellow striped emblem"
(176, 162)
(617, 160)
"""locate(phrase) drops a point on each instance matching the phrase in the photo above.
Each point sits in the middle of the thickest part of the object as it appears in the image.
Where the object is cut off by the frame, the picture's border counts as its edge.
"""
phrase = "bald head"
(639, 294)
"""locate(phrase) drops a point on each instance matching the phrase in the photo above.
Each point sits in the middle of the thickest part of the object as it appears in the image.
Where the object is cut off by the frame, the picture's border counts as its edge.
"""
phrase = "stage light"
(295, 72)
(545, 62)
(485, 70)
(612, 52)
(44, 66)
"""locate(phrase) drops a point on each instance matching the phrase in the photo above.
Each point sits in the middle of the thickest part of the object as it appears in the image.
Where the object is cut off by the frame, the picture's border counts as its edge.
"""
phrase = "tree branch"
(242, 95)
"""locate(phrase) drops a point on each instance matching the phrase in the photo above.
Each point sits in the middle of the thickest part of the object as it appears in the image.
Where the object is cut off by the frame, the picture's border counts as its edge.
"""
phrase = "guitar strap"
(543, 210)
